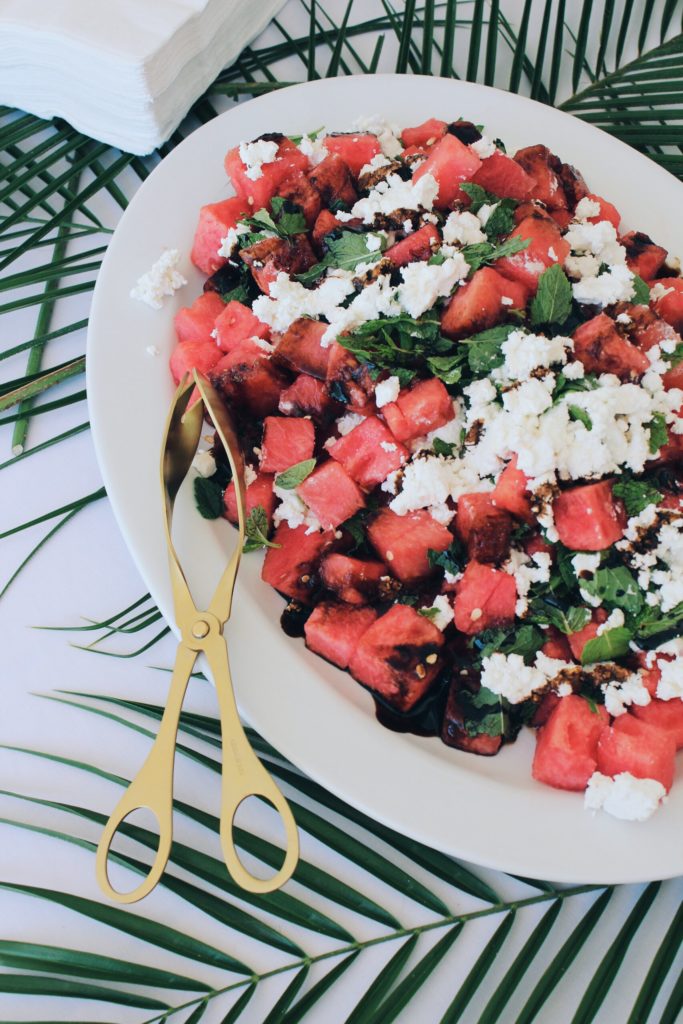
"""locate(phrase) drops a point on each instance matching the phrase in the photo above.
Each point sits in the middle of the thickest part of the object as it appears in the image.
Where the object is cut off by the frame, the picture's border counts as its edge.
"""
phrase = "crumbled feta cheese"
(620, 695)
(508, 675)
(396, 194)
(614, 620)
(204, 463)
(575, 370)
(314, 149)
(658, 291)
(485, 212)
(525, 353)
(254, 154)
(624, 318)
(387, 391)
(444, 612)
(162, 279)
(452, 577)
(289, 300)
(599, 239)
(670, 685)
(153, 350)
(423, 283)
(249, 475)
(526, 570)
(408, 227)
(346, 423)
(624, 796)
(483, 147)
(585, 562)
(293, 511)
(665, 584)
(428, 481)
(462, 228)
(378, 160)
(605, 289)
(388, 446)
(385, 131)
(505, 300)
(231, 240)
(586, 208)
(372, 243)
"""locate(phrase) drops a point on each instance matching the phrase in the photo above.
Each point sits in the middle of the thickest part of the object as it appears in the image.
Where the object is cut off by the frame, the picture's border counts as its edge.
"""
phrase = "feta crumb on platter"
(161, 280)
(624, 796)
(387, 391)
(254, 154)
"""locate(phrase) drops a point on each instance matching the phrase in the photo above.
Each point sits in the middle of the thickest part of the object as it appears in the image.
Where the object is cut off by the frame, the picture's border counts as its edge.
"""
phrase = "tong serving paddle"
(243, 775)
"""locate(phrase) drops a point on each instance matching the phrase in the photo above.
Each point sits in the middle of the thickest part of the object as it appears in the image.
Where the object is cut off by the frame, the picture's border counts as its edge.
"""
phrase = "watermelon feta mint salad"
(458, 383)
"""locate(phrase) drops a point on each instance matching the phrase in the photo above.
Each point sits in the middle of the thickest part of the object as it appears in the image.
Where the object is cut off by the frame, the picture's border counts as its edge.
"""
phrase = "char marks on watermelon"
(601, 348)
(333, 182)
(353, 580)
(300, 347)
(334, 630)
(272, 256)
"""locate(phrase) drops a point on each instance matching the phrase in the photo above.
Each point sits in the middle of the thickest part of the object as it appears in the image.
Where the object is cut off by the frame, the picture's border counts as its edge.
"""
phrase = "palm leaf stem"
(22, 394)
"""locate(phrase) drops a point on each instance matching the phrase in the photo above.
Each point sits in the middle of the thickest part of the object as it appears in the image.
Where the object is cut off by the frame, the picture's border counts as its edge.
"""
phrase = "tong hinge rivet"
(200, 629)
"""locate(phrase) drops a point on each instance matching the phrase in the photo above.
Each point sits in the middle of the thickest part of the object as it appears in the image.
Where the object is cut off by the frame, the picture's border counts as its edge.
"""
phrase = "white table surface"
(85, 572)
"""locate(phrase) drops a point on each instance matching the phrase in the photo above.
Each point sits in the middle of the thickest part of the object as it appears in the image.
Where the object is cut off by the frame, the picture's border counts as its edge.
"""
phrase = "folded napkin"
(125, 71)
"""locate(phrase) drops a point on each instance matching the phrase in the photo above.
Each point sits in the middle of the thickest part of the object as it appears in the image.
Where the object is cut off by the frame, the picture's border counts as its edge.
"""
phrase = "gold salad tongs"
(243, 774)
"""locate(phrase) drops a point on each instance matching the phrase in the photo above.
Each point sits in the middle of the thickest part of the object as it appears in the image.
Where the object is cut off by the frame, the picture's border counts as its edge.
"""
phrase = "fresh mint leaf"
(482, 253)
(552, 303)
(658, 432)
(484, 712)
(451, 560)
(565, 385)
(613, 643)
(256, 530)
(428, 613)
(208, 497)
(636, 495)
(675, 357)
(295, 475)
(436, 259)
(445, 448)
(447, 368)
(345, 250)
(579, 414)
(641, 292)
(653, 622)
(288, 216)
(501, 220)
(478, 196)
(484, 350)
(398, 343)
(616, 587)
(567, 620)
(525, 641)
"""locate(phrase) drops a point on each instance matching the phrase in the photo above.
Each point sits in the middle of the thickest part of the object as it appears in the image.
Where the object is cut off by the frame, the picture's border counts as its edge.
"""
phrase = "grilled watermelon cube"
(483, 527)
(326, 222)
(403, 542)
(300, 347)
(666, 715)
(259, 492)
(546, 247)
(369, 452)
(511, 492)
(235, 324)
(484, 597)
(331, 494)
(355, 148)
(249, 380)
(291, 567)
(647, 329)
(607, 211)
(398, 656)
(425, 134)
(333, 182)
(215, 220)
(196, 322)
(190, 355)
(589, 518)
(567, 745)
(352, 580)
(544, 168)
(424, 407)
(308, 396)
(578, 640)
(450, 162)
(453, 732)
(484, 301)
(602, 349)
(504, 177)
(299, 191)
(670, 307)
(643, 257)
(286, 441)
(258, 192)
(556, 646)
(633, 745)
(334, 630)
(271, 256)
(418, 246)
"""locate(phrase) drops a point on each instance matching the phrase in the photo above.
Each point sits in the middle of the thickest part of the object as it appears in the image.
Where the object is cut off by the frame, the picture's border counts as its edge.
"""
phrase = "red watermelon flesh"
(403, 542)
(425, 134)
(607, 211)
(258, 192)
(196, 322)
(418, 246)
(543, 167)
(331, 494)
(215, 220)
(636, 746)
(511, 491)
(567, 745)
(578, 640)
(504, 177)
(353, 580)
(249, 380)
(484, 597)
(666, 715)
(193, 355)
(454, 733)
(643, 257)
(369, 452)
(308, 396)
(355, 148)
(259, 492)
(301, 349)
(286, 441)
(334, 630)
(299, 191)
(557, 645)
(333, 181)
(325, 222)
(290, 567)
(450, 162)
(235, 324)
(483, 527)
(392, 656)
(481, 303)
(589, 518)
(670, 307)
(419, 410)
(602, 349)
(546, 247)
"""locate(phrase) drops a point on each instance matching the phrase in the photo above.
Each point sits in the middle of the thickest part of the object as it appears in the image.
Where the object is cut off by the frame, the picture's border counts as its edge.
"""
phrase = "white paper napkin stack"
(123, 71)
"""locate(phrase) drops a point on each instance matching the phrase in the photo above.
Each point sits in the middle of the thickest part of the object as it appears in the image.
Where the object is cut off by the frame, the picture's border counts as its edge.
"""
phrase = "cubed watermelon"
(504, 177)
(291, 567)
(215, 220)
(300, 347)
(643, 257)
(545, 706)
(589, 518)
(546, 247)
(286, 441)
(567, 745)
(484, 301)
(308, 396)
(647, 329)
(602, 349)
(259, 492)
(369, 452)
(670, 306)
(418, 410)
(325, 223)
(607, 211)
(578, 640)
(557, 645)
(483, 527)
(331, 494)
(299, 191)
(403, 542)
(398, 656)
(272, 256)
(333, 181)
(511, 492)
(190, 355)
(196, 322)
(235, 324)
(636, 746)
(353, 580)
(249, 380)
(418, 246)
(544, 168)
(450, 162)
(484, 597)
(334, 630)
(425, 134)
(666, 715)
(454, 733)
(355, 148)
(259, 191)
